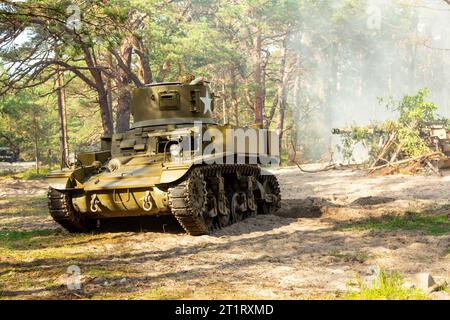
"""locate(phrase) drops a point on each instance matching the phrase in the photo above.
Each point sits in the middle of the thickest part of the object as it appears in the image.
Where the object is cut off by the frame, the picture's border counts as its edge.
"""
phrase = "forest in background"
(299, 67)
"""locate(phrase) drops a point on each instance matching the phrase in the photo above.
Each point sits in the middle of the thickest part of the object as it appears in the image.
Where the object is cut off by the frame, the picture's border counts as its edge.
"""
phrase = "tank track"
(182, 198)
(61, 210)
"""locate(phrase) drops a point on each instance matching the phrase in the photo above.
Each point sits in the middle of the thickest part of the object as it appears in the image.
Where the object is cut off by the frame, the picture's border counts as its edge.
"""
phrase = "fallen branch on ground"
(425, 159)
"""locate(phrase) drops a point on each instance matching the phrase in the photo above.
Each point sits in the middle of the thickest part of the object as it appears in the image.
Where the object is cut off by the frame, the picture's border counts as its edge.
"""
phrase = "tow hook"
(94, 203)
(147, 203)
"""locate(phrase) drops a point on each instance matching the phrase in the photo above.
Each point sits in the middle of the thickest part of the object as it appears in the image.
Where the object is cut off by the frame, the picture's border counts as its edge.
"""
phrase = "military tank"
(174, 160)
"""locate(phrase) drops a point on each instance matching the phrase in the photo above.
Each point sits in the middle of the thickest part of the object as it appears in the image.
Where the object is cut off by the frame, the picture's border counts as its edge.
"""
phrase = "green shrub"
(31, 174)
(385, 286)
(430, 224)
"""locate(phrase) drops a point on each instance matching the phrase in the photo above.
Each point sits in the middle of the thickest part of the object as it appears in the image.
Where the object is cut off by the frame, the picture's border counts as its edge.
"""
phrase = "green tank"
(174, 160)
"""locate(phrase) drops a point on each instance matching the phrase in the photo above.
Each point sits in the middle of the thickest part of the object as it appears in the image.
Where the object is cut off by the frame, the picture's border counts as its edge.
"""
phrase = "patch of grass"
(445, 287)
(444, 207)
(435, 225)
(107, 273)
(386, 286)
(31, 174)
(7, 173)
(284, 158)
(349, 257)
(25, 174)
(163, 293)
(25, 206)
(159, 292)
(34, 262)
(13, 239)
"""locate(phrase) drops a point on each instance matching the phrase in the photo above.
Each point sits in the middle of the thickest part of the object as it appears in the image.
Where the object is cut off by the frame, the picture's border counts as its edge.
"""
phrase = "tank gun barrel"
(341, 130)
(350, 130)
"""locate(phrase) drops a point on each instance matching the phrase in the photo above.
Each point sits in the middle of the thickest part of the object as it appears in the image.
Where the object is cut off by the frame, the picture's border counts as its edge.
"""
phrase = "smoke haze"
(364, 50)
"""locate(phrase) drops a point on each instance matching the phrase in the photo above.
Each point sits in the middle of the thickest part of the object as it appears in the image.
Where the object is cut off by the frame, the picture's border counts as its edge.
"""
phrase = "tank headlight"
(175, 150)
(113, 165)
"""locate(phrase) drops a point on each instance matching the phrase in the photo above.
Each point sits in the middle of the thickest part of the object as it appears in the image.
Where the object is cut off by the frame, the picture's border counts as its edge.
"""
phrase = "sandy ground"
(347, 194)
(300, 253)
(16, 166)
(16, 188)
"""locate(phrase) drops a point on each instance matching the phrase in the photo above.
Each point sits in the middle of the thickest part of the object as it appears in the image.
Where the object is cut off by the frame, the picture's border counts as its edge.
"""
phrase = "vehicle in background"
(7, 155)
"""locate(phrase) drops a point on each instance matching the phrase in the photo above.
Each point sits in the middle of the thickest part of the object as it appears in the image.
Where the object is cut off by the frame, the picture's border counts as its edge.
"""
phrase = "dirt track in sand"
(300, 253)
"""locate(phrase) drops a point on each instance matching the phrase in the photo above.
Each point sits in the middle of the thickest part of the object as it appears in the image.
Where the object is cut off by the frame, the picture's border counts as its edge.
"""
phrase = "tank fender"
(173, 173)
(69, 177)
(59, 179)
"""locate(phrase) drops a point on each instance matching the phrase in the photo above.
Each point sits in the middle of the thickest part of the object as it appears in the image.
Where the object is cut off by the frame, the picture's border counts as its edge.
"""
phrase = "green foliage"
(30, 174)
(436, 224)
(414, 109)
(412, 144)
(11, 238)
(210, 38)
(349, 140)
(414, 114)
(386, 286)
(25, 117)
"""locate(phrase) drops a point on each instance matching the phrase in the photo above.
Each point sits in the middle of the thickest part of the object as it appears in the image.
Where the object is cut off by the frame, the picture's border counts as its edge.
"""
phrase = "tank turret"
(172, 103)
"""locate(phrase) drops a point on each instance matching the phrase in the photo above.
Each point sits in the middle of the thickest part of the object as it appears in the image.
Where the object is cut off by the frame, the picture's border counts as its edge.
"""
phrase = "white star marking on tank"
(206, 101)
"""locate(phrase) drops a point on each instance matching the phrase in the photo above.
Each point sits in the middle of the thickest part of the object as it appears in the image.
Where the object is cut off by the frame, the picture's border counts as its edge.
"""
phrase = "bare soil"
(12, 187)
(302, 252)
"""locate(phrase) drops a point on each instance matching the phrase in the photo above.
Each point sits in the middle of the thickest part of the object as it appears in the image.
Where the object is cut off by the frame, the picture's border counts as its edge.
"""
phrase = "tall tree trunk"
(36, 144)
(234, 95)
(102, 94)
(62, 117)
(258, 90)
(163, 70)
(143, 61)
(109, 83)
(283, 95)
(281, 82)
(282, 114)
(296, 107)
(105, 112)
(331, 93)
(224, 103)
(124, 92)
(123, 108)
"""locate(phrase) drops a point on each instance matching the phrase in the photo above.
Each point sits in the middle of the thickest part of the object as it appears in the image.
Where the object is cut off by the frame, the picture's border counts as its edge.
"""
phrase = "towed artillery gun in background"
(161, 167)
(372, 130)
(436, 135)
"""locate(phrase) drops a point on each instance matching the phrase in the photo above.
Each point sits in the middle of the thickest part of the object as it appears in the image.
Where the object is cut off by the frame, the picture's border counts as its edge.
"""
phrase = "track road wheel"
(189, 202)
(224, 218)
(236, 207)
(197, 198)
(62, 211)
(273, 199)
